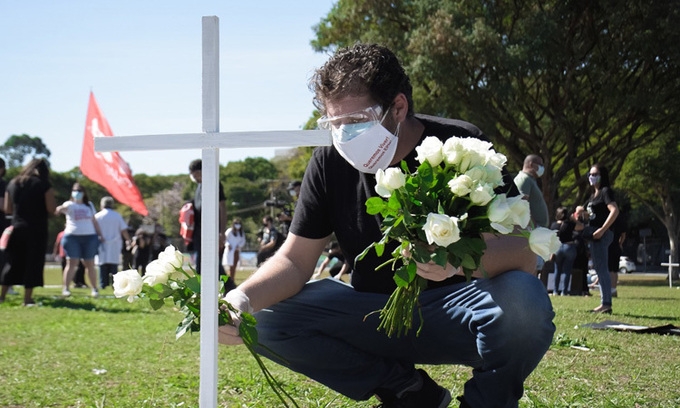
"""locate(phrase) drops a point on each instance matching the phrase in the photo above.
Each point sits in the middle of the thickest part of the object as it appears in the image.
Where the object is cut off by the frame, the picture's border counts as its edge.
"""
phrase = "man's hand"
(434, 272)
(229, 334)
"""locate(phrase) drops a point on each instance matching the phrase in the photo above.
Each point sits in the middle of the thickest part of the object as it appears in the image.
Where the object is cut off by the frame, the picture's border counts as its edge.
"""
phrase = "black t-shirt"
(565, 230)
(28, 202)
(597, 207)
(197, 209)
(333, 197)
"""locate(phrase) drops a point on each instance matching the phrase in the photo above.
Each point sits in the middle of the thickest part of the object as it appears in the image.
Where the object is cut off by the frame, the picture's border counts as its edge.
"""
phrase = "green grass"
(54, 356)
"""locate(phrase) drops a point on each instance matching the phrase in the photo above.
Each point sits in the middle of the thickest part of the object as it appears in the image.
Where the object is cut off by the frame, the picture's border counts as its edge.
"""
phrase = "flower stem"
(396, 318)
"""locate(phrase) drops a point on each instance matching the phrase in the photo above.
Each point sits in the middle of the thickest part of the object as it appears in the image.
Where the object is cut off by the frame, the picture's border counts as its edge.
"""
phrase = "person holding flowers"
(477, 302)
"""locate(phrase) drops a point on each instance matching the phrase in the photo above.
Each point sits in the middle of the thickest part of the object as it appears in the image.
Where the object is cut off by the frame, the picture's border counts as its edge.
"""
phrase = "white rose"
(441, 229)
(171, 256)
(499, 214)
(544, 242)
(521, 211)
(477, 145)
(388, 181)
(494, 175)
(482, 194)
(127, 283)
(461, 185)
(497, 160)
(157, 272)
(430, 150)
(504, 213)
(453, 151)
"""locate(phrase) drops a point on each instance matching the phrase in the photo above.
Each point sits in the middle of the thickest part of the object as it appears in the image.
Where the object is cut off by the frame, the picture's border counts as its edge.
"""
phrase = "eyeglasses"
(370, 114)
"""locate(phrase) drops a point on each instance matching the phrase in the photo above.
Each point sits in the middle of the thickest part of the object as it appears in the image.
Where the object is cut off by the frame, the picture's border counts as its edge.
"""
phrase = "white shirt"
(79, 218)
(111, 224)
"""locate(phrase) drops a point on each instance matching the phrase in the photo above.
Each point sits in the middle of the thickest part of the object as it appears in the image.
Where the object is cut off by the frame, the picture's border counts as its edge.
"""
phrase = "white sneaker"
(95, 293)
(66, 293)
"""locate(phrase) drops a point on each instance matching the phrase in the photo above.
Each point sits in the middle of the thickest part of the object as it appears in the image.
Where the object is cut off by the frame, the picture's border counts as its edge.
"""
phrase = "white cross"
(670, 266)
(210, 141)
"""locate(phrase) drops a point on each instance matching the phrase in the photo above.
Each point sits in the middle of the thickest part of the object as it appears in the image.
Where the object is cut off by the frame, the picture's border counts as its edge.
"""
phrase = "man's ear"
(400, 107)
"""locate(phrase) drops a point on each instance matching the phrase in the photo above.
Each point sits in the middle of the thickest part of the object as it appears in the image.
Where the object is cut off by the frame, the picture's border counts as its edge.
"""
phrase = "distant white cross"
(670, 266)
(210, 141)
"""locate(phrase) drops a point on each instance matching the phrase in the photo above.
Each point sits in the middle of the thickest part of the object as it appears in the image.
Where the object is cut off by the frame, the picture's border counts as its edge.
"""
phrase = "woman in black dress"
(30, 200)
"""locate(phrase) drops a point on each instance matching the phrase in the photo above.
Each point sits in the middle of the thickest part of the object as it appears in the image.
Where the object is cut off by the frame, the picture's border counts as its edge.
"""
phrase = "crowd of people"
(89, 236)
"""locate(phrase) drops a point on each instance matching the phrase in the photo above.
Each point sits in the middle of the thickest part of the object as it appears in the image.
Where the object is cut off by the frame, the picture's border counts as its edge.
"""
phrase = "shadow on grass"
(81, 303)
(662, 318)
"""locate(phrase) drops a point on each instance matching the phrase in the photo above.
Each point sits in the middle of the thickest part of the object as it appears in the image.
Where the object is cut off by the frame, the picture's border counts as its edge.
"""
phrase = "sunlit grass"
(106, 352)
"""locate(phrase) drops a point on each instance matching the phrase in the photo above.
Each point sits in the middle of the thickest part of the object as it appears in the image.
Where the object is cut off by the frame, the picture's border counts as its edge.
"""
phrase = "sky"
(142, 61)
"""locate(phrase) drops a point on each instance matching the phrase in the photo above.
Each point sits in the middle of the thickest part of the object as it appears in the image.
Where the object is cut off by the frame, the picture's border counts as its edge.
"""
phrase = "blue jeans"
(599, 253)
(500, 327)
(564, 263)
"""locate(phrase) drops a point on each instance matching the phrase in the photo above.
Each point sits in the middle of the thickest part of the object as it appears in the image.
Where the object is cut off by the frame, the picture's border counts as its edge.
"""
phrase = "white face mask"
(370, 149)
(540, 171)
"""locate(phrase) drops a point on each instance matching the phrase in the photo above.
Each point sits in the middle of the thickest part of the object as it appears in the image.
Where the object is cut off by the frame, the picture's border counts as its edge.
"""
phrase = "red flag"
(108, 169)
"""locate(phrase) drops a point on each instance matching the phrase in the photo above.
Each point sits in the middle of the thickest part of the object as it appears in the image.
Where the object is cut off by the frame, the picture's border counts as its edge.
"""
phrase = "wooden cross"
(210, 141)
(670, 266)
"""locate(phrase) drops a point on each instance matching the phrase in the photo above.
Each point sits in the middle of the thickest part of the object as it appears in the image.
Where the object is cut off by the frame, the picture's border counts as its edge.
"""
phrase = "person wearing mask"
(114, 229)
(527, 183)
(82, 236)
(602, 213)
(270, 242)
(499, 324)
(565, 256)
(30, 199)
(196, 175)
(236, 240)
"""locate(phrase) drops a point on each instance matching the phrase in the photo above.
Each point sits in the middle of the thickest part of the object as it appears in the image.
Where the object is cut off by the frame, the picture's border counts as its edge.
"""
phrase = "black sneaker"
(425, 393)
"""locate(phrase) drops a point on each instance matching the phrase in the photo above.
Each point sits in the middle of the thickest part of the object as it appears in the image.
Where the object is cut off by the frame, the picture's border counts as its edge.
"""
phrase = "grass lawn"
(106, 352)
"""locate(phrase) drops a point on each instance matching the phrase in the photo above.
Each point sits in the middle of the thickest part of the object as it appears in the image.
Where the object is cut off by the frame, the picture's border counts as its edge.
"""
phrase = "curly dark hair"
(361, 69)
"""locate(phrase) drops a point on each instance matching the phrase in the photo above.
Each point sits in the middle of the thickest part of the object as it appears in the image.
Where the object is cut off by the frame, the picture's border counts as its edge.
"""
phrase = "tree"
(651, 176)
(567, 80)
(18, 147)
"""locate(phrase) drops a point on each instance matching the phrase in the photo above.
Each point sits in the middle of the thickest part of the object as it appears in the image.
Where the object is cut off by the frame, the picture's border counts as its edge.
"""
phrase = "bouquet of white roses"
(439, 212)
(165, 278)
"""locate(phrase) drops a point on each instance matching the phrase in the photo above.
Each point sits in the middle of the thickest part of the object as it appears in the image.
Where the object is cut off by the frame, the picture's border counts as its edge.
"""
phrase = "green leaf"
(156, 303)
(375, 205)
(405, 275)
(468, 262)
(425, 174)
(379, 248)
(194, 284)
(440, 256)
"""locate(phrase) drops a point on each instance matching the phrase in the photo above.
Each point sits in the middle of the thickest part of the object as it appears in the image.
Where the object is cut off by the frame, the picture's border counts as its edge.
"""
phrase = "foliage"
(566, 80)
(251, 168)
(18, 149)
(651, 176)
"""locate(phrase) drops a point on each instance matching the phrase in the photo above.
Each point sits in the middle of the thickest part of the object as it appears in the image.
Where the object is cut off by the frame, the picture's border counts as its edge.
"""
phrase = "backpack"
(186, 222)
